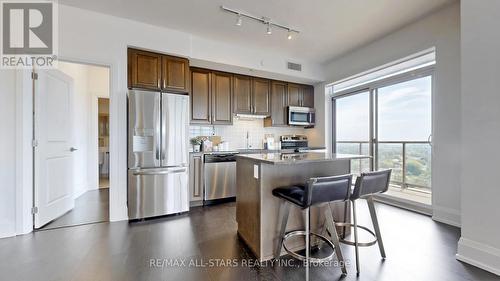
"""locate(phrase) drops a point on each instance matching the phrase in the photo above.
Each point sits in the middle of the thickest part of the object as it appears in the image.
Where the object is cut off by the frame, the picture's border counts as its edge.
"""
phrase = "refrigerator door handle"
(165, 172)
(158, 129)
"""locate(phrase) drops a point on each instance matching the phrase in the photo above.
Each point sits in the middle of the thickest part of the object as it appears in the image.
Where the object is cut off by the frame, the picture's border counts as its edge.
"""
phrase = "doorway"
(83, 180)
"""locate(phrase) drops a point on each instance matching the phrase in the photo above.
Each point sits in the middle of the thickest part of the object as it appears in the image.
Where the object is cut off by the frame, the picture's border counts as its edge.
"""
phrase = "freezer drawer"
(157, 192)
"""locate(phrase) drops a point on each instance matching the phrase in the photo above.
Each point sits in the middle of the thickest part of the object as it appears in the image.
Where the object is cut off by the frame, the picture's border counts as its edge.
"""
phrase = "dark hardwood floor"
(90, 207)
(417, 249)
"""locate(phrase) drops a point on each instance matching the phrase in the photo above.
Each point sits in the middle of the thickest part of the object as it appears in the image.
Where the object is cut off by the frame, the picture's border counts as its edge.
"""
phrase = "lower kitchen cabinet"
(196, 179)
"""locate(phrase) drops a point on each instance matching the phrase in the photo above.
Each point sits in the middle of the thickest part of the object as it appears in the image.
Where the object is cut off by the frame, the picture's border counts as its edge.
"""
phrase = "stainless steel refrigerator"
(157, 154)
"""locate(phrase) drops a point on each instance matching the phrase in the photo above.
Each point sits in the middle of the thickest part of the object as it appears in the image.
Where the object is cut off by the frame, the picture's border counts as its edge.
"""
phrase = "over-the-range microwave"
(301, 116)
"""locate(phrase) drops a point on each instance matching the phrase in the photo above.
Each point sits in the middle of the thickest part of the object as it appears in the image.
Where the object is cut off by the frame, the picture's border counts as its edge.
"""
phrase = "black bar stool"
(366, 186)
(318, 192)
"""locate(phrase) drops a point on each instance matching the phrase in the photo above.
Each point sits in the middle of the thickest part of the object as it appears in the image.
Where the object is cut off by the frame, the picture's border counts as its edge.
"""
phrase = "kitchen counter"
(299, 158)
(257, 209)
(257, 150)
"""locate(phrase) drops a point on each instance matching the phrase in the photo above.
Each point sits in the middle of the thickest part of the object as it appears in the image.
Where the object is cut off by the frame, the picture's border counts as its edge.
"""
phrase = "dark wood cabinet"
(144, 69)
(308, 96)
(261, 96)
(278, 105)
(153, 71)
(211, 97)
(242, 94)
(200, 96)
(175, 74)
(300, 95)
(222, 92)
(284, 95)
(294, 94)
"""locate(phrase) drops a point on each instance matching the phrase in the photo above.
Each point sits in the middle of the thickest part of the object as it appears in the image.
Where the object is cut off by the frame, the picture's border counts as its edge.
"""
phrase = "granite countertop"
(299, 158)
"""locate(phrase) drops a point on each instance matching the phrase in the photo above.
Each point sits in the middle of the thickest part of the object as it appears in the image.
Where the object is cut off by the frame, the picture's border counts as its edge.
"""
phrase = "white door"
(53, 92)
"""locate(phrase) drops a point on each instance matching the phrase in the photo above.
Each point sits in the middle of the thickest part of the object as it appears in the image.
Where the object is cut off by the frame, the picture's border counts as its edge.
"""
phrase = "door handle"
(153, 173)
(72, 149)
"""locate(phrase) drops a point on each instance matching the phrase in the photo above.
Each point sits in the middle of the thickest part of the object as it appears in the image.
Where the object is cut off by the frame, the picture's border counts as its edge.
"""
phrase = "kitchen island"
(257, 210)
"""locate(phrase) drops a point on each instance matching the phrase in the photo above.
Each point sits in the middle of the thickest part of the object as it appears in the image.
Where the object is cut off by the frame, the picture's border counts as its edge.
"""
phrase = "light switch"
(256, 171)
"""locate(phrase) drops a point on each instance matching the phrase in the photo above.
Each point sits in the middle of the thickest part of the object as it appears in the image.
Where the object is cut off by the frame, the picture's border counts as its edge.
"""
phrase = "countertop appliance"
(158, 126)
(294, 142)
(220, 177)
(301, 116)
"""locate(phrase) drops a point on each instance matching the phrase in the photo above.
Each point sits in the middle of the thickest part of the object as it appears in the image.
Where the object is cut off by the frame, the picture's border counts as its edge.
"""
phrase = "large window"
(391, 120)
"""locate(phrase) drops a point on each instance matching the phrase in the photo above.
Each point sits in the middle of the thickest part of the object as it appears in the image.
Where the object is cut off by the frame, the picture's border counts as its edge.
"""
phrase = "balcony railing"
(410, 161)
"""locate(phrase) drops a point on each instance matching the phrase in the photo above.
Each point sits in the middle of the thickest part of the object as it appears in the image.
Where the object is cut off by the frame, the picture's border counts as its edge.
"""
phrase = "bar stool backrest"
(371, 183)
(327, 189)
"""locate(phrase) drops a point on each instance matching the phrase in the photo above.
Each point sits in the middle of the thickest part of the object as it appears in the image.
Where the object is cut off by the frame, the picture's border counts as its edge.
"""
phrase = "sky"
(404, 113)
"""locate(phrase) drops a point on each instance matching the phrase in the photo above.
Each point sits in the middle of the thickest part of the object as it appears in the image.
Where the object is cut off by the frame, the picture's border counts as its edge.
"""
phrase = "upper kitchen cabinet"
(308, 96)
(200, 96)
(153, 71)
(211, 97)
(278, 105)
(300, 95)
(261, 96)
(294, 94)
(222, 92)
(144, 69)
(242, 94)
(175, 74)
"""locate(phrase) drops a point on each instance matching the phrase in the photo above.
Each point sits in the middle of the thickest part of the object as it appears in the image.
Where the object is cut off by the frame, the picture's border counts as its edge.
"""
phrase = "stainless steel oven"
(301, 116)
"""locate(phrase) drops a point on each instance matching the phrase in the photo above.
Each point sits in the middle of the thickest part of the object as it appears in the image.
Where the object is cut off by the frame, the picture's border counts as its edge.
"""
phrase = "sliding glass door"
(353, 131)
(391, 121)
(404, 123)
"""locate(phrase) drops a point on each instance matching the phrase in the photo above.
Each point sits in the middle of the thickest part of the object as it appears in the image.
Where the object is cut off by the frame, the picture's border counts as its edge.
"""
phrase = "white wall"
(480, 240)
(442, 31)
(7, 153)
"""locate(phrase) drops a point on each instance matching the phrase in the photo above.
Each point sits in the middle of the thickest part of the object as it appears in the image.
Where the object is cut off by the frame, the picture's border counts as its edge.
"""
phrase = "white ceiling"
(329, 28)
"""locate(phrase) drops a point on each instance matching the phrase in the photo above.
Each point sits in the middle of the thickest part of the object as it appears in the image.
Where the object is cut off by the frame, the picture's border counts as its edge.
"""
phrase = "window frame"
(372, 89)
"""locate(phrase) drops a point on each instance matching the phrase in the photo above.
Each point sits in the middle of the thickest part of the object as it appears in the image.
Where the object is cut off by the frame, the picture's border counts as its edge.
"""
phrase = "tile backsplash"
(236, 134)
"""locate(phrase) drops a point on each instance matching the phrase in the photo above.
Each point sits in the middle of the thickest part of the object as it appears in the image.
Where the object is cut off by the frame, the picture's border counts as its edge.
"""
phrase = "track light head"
(239, 20)
(269, 30)
(289, 36)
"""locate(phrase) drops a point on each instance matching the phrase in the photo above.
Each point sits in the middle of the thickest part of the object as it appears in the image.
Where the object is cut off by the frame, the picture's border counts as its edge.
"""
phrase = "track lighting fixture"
(264, 20)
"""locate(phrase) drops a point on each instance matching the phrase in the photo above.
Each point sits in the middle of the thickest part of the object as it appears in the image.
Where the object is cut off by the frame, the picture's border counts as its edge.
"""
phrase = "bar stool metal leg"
(335, 238)
(284, 211)
(346, 209)
(356, 246)
(373, 214)
(307, 236)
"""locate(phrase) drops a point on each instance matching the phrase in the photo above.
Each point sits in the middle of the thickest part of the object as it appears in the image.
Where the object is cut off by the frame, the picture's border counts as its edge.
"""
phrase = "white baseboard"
(446, 215)
(404, 204)
(479, 255)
